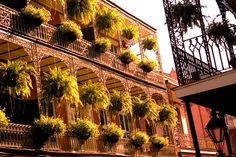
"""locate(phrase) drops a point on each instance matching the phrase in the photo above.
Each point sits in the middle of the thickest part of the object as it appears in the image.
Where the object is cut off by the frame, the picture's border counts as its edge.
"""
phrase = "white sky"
(152, 12)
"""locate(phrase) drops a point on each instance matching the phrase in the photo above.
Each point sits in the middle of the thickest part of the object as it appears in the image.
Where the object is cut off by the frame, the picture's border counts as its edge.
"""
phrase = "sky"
(152, 12)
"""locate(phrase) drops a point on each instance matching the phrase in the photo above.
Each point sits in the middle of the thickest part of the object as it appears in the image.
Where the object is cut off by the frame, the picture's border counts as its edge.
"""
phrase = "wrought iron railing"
(17, 136)
(12, 21)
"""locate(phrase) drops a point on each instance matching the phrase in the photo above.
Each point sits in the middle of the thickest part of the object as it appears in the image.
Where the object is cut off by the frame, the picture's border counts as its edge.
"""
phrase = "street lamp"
(215, 129)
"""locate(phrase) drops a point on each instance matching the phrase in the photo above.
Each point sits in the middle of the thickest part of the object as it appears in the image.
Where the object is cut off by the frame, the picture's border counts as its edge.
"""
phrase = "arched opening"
(137, 91)
(84, 74)
(48, 63)
(112, 83)
(159, 98)
(20, 109)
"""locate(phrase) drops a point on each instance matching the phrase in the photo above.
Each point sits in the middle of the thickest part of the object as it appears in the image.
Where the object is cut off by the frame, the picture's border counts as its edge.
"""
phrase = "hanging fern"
(59, 85)
(138, 138)
(94, 94)
(158, 142)
(127, 56)
(120, 101)
(147, 65)
(168, 115)
(82, 10)
(112, 133)
(149, 43)
(144, 108)
(101, 45)
(15, 78)
(130, 33)
(108, 21)
(4, 121)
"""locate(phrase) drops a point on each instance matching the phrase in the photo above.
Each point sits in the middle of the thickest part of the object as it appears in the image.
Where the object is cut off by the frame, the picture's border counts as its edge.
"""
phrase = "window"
(103, 117)
(148, 128)
(114, 49)
(124, 122)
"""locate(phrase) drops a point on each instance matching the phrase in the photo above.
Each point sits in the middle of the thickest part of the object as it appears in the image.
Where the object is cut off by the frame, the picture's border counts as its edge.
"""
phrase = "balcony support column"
(192, 128)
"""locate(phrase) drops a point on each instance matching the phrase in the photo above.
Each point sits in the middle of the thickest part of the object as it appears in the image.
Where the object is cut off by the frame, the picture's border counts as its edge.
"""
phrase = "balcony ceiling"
(216, 92)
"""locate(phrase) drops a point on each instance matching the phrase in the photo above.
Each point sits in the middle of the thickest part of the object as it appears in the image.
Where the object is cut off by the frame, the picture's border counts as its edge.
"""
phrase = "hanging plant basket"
(186, 14)
(219, 30)
(101, 45)
(168, 115)
(94, 94)
(83, 129)
(16, 76)
(149, 43)
(120, 101)
(130, 33)
(127, 57)
(60, 84)
(108, 21)
(138, 138)
(81, 10)
(112, 133)
(46, 127)
(158, 142)
(70, 31)
(147, 65)
(34, 17)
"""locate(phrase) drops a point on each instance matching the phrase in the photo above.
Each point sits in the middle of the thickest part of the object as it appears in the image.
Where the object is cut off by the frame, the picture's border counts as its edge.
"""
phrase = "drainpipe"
(192, 128)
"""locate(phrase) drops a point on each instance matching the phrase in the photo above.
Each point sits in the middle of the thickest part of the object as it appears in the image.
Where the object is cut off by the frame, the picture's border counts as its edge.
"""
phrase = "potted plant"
(185, 14)
(147, 65)
(82, 11)
(15, 78)
(70, 30)
(108, 21)
(35, 16)
(120, 101)
(94, 94)
(157, 143)
(127, 57)
(101, 45)
(59, 84)
(44, 128)
(130, 33)
(138, 139)
(4, 121)
(111, 134)
(219, 30)
(83, 129)
(149, 43)
(168, 115)
(144, 108)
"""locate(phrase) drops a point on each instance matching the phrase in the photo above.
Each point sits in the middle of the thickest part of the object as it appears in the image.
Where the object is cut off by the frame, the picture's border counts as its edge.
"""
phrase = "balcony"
(14, 139)
(12, 23)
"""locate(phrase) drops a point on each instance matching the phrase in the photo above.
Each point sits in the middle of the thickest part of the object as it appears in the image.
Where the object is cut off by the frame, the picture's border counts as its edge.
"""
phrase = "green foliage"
(168, 115)
(120, 101)
(44, 128)
(112, 133)
(101, 45)
(147, 65)
(138, 138)
(4, 121)
(149, 43)
(219, 30)
(159, 142)
(36, 16)
(15, 78)
(108, 21)
(144, 108)
(185, 14)
(70, 30)
(83, 129)
(127, 56)
(94, 94)
(82, 10)
(60, 84)
(130, 33)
